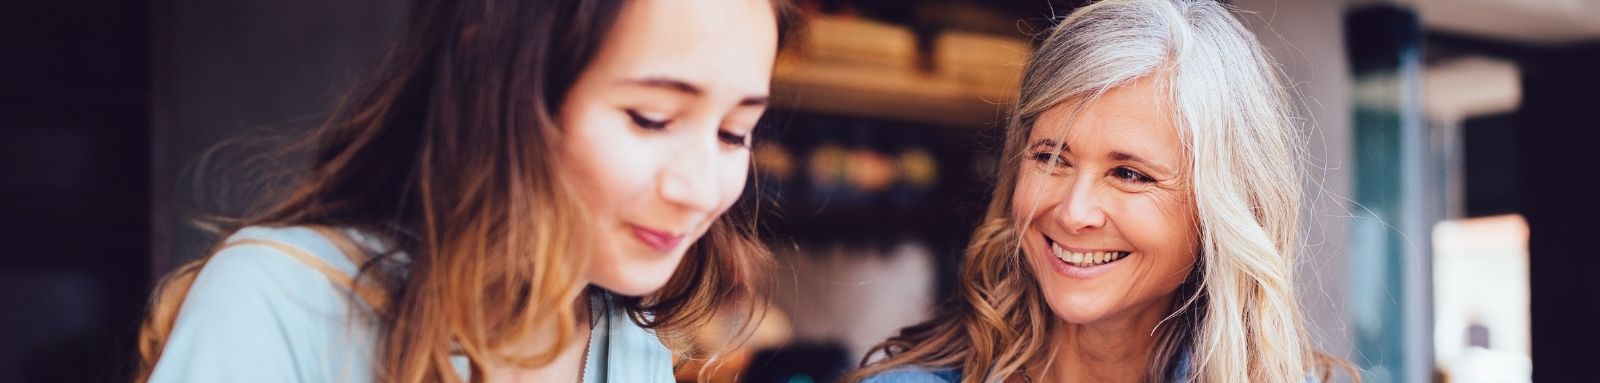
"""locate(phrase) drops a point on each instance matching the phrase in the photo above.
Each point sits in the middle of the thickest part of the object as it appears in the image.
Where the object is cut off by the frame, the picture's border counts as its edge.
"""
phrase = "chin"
(1077, 310)
(638, 279)
(636, 286)
(634, 290)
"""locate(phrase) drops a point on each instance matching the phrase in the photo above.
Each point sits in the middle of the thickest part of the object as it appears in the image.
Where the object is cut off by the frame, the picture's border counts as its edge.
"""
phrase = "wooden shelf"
(863, 68)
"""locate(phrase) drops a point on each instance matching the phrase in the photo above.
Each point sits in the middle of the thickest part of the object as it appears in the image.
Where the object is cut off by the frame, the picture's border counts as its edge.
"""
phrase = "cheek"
(733, 169)
(608, 163)
(732, 174)
(1027, 197)
(1162, 227)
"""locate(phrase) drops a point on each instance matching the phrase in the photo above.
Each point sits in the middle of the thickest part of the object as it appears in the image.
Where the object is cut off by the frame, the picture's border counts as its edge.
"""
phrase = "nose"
(1082, 210)
(689, 180)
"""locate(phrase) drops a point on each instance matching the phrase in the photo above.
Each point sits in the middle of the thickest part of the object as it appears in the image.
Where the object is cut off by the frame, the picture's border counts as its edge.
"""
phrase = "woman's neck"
(1114, 349)
(567, 366)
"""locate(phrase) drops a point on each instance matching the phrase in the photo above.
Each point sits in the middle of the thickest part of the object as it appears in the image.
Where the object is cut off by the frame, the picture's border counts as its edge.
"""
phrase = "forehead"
(1136, 116)
(718, 45)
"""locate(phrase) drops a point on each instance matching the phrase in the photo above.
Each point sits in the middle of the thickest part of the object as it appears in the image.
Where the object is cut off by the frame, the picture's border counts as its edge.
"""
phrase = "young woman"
(524, 191)
(1144, 224)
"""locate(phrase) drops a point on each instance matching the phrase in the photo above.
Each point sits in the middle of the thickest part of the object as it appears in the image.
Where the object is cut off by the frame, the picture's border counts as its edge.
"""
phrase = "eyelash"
(730, 138)
(740, 140)
(1131, 175)
(644, 122)
(1047, 157)
(1121, 172)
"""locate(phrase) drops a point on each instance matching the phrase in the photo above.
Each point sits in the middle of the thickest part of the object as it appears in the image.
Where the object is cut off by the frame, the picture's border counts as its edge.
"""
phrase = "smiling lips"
(658, 240)
(1084, 258)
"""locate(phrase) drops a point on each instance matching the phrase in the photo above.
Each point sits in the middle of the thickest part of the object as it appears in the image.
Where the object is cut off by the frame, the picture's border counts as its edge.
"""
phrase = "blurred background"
(1449, 146)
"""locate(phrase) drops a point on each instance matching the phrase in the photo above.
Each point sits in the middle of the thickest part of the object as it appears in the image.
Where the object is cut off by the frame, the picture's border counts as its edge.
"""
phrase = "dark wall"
(74, 195)
(105, 107)
(1490, 144)
(253, 67)
(1558, 135)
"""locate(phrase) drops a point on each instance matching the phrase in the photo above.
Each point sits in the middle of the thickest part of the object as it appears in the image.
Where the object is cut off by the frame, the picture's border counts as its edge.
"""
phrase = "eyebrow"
(1118, 156)
(1050, 144)
(686, 88)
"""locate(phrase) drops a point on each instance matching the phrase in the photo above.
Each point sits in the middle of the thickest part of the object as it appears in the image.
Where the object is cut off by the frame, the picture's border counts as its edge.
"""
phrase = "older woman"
(1144, 224)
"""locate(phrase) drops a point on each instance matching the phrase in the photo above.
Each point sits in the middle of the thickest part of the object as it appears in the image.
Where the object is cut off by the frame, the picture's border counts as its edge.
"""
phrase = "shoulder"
(264, 266)
(269, 269)
(916, 374)
(280, 281)
(256, 310)
(277, 273)
(287, 240)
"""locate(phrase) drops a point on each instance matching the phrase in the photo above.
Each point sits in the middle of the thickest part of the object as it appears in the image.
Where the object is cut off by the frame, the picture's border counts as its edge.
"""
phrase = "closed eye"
(731, 138)
(645, 122)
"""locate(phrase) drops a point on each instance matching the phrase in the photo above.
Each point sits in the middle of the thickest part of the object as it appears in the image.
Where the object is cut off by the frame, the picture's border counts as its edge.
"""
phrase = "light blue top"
(916, 375)
(256, 314)
(919, 374)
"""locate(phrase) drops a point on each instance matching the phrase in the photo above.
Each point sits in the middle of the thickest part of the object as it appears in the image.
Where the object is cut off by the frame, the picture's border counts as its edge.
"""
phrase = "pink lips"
(658, 240)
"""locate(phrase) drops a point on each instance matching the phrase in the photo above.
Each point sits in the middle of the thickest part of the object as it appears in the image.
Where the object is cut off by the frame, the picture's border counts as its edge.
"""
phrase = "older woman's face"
(1109, 224)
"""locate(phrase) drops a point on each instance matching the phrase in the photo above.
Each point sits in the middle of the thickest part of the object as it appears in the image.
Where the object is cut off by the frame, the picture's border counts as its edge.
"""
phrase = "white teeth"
(1085, 259)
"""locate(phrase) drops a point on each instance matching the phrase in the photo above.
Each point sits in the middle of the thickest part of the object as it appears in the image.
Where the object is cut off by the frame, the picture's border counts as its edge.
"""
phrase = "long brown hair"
(1236, 317)
(447, 150)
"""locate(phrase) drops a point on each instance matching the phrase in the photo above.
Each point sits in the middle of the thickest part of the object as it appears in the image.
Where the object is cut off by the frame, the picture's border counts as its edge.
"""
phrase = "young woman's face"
(1110, 230)
(658, 130)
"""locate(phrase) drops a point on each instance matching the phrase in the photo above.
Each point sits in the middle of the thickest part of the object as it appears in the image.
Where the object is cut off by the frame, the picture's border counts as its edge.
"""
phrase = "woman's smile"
(1083, 263)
